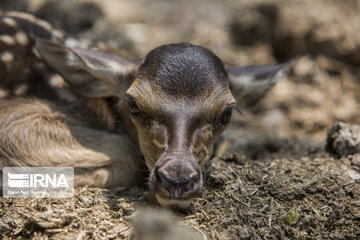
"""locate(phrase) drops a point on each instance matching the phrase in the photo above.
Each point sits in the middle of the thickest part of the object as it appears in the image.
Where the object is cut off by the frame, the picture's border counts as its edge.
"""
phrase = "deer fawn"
(173, 106)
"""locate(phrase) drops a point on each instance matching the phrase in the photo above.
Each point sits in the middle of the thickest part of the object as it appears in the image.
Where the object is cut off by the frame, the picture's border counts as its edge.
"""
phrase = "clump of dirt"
(344, 139)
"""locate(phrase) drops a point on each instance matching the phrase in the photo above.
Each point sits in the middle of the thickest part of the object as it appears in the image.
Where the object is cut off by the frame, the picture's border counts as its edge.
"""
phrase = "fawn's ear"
(249, 84)
(91, 73)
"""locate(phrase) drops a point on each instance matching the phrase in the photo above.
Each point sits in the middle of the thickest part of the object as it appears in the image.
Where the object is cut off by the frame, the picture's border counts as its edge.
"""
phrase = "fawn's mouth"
(173, 203)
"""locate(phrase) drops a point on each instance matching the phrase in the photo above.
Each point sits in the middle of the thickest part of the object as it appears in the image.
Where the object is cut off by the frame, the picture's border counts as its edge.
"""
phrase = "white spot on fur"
(72, 60)
(10, 22)
(3, 93)
(71, 42)
(7, 39)
(6, 57)
(21, 38)
(58, 34)
(21, 90)
(44, 24)
(57, 81)
(36, 52)
(22, 15)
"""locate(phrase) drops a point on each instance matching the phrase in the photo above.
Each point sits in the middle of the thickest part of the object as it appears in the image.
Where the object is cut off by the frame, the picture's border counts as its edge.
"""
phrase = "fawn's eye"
(133, 107)
(225, 116)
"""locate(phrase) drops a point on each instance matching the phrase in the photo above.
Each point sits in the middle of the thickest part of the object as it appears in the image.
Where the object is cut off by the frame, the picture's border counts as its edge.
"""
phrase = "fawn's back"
(23, 73)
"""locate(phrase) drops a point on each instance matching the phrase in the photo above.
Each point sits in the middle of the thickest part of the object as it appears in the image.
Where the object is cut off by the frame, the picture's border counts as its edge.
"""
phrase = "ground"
(273, 177)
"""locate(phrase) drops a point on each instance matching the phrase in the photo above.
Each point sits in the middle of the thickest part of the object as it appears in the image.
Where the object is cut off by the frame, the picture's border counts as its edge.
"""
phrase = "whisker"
(238, 110)
(120, 102)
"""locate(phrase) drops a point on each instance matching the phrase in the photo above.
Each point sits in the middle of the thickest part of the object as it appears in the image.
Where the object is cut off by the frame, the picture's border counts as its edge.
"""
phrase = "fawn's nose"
(177, 185)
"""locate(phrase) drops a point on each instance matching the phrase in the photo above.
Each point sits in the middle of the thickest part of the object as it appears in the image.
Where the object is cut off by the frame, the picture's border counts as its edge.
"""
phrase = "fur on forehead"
(151, 98)
(183, 70)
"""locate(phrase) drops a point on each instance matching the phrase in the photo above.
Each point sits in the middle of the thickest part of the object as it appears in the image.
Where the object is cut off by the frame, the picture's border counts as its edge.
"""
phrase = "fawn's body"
(171, 107)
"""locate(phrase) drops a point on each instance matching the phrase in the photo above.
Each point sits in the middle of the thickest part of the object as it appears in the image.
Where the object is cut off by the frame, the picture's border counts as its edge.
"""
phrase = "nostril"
(158, 176)
(177, 186)
(190, 180)
(191, 177)
(165, 176)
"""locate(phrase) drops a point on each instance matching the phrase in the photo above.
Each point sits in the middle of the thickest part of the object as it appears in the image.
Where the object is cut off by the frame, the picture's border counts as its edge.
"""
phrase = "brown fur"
(43, 130)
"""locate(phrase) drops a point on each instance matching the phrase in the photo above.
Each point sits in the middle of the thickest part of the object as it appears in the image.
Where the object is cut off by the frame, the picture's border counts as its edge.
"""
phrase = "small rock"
(356, 160)
(343, 139)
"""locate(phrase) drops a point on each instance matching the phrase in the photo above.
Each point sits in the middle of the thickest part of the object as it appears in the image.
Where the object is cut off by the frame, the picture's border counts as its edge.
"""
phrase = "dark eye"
(133, 107)
(225, 116)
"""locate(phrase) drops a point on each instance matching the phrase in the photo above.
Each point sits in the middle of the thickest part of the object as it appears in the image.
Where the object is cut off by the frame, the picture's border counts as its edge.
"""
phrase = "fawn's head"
(180, 102)
(179, 99)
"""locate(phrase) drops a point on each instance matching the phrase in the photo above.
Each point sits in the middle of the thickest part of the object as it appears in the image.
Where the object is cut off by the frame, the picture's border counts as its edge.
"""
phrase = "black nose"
(165, 176)
(177, 185)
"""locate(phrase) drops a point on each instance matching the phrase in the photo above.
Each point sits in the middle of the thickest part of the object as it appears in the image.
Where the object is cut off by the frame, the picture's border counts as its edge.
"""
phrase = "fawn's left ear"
(249, 84)
(90, 72)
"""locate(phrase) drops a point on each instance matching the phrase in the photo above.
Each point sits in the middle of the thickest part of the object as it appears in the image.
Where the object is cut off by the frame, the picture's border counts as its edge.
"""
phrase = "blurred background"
(323, 87)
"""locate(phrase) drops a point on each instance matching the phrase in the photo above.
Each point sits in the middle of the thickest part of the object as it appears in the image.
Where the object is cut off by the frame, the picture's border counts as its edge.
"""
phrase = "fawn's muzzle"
(176, 180)
(177, 186)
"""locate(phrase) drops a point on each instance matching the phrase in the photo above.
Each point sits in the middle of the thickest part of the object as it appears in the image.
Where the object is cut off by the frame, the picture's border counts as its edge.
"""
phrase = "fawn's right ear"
(249, 84)
(91, 73)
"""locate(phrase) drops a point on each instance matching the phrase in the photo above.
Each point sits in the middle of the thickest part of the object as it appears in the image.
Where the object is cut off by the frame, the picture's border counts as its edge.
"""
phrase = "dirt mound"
(344, 139)
(255, 199)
